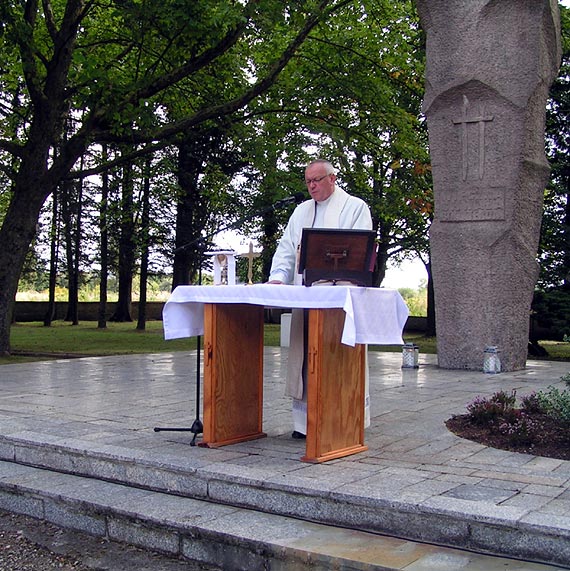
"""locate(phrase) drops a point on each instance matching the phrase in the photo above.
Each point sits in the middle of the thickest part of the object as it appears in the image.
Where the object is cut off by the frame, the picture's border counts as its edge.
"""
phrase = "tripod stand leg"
(197, 426)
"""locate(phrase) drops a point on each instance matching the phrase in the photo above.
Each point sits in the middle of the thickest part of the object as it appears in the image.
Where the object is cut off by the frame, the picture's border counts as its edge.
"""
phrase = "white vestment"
(340, 210)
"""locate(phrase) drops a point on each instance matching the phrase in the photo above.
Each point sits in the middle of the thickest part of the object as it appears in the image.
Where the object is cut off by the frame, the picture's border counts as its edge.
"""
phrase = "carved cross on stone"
(251, 255)
(479, 119)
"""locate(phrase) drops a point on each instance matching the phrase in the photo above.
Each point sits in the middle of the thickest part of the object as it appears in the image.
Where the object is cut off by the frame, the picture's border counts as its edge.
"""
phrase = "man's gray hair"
(328, 165)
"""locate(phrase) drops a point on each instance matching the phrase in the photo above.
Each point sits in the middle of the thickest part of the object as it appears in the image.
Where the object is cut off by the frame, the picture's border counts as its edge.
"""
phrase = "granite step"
(189, 479)
(225, 536)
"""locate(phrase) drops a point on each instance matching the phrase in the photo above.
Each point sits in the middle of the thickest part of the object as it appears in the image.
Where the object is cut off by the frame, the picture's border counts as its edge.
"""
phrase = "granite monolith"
(489, 67)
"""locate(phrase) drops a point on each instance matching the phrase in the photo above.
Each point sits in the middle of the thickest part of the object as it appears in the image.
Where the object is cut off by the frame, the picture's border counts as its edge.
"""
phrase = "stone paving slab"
(96, 416)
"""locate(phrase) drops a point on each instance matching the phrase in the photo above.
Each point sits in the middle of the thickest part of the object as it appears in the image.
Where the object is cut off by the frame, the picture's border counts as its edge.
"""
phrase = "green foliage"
(554, 249)
(521, 425)
(556, 403)
(416, 300)
(552, 310)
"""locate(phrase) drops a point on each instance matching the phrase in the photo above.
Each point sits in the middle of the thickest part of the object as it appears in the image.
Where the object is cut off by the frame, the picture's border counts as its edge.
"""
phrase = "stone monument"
(490, 64)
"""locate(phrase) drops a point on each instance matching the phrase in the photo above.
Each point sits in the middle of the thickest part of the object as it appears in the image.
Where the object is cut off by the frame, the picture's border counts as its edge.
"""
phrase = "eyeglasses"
(308, 181)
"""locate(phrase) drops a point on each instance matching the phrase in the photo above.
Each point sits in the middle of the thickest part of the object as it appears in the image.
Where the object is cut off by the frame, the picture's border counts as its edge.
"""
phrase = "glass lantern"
(491, 361)
(410, 356)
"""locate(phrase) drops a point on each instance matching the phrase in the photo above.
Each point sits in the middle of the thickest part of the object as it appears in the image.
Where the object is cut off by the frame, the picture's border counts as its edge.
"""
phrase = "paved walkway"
(417, 480)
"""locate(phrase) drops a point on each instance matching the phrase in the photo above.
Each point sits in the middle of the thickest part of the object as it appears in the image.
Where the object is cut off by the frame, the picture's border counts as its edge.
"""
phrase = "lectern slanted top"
(337, 255)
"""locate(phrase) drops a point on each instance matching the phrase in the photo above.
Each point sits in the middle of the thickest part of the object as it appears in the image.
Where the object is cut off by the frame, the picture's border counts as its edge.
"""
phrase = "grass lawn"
(63, 339)
(33, 341)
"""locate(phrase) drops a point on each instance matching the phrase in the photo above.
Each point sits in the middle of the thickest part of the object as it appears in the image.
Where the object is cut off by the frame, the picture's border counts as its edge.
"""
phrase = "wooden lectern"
(233, 381)
(233, 373)
(335, 255)
(335, 389)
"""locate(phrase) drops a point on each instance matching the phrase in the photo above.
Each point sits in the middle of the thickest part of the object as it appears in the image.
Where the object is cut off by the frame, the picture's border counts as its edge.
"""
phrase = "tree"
(127, 245)
(103, 245)
(115, 63)
(144, 243)
(554, 252)
(354, 95)
(551, 303)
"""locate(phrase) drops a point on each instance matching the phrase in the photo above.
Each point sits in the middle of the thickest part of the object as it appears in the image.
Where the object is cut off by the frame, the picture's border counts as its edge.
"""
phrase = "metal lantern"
(491, 361)
(410, 356)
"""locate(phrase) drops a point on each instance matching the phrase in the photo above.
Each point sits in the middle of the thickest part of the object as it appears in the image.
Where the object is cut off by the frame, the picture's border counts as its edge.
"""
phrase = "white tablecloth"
(373, 315)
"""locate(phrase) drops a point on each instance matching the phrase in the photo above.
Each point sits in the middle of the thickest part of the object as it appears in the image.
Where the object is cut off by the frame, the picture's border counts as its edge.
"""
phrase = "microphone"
(297, 198)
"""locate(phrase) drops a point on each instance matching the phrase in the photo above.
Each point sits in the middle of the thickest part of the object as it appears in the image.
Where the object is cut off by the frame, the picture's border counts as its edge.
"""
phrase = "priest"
(328, 207)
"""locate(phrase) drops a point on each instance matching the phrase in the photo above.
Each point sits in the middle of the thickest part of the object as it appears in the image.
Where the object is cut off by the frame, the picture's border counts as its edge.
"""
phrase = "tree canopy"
(138, 126)
(113, 70)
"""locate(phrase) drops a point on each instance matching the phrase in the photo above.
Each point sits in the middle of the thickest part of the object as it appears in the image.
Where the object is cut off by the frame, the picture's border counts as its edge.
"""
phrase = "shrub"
(556, 403)
(485, 410)
(531, 403)
(505, 400)
(521, 430)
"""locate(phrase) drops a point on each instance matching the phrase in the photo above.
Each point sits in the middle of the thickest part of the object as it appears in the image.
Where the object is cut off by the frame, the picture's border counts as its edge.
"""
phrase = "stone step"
(228, 537)
(220, 486)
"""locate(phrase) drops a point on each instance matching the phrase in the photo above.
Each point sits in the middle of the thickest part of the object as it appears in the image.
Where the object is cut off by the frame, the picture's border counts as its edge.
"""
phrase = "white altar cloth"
(373, 315)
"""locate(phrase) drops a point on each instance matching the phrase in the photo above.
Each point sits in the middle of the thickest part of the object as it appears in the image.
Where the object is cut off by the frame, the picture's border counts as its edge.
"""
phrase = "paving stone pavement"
(96, 417)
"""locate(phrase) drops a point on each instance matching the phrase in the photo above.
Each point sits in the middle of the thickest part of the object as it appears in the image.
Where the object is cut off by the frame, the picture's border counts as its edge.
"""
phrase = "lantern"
(410, 356)
(491, 361)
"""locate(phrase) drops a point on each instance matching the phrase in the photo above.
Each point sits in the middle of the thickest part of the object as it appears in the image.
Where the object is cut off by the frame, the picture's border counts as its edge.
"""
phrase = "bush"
(543, 419)
(531, 403)
(520, 429)
(556, 403)
(484, 411)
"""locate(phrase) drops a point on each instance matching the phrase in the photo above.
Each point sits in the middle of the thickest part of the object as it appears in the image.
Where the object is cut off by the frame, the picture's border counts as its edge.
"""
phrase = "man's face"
(319, 183)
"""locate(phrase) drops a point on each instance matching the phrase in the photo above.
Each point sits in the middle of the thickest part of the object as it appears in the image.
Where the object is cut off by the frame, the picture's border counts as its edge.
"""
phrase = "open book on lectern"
(333, 255)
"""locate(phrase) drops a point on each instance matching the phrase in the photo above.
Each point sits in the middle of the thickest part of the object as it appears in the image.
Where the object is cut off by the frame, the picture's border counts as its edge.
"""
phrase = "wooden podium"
(233, 381)
(335, 389)
(233, 373)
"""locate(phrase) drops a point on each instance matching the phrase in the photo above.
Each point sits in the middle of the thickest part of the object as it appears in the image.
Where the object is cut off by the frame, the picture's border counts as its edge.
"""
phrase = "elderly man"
(329, 207)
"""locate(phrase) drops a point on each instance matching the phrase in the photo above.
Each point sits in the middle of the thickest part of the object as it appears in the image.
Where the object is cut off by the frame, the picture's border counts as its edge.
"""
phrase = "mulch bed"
(551, 438)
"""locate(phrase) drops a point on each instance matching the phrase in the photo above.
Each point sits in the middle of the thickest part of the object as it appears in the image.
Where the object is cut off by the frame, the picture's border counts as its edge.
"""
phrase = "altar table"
(342, 319)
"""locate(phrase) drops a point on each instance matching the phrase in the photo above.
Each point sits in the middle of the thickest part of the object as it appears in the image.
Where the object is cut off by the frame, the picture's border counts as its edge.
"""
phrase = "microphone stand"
(197, 426)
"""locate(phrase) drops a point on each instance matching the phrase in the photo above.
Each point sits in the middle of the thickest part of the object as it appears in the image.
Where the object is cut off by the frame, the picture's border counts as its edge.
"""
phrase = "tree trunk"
(270, 224)
(566, 283)
(16, 235)
(126, 250)
(71, 213)
(380, 266)
(191, 215)
(77, 249)
(104, 245)
(145, 234)
(37, 177)
(54, 253)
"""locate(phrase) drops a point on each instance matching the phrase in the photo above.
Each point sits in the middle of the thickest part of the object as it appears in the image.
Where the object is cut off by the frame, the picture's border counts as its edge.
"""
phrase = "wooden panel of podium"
(233, 381)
